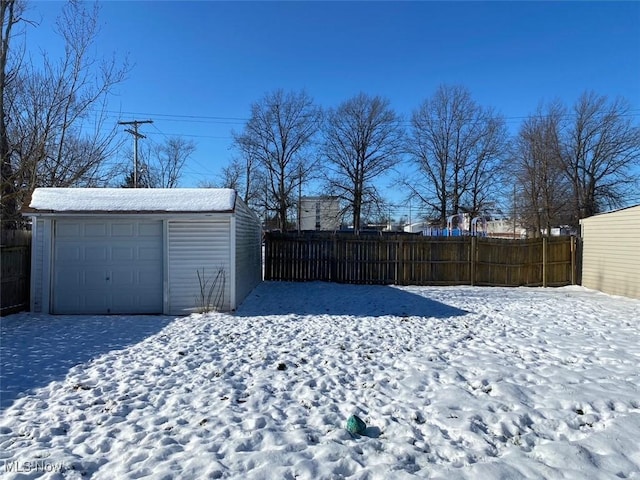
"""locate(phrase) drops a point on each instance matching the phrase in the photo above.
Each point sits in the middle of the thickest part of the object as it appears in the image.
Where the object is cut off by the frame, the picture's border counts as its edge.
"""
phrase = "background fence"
(15, 264)
(417, 260)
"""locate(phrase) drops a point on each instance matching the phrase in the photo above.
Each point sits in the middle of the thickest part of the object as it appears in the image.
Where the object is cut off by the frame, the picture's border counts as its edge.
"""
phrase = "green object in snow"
(355, 425)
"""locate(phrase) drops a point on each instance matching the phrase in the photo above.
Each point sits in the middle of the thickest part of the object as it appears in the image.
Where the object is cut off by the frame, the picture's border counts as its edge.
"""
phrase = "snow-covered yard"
(457, 382)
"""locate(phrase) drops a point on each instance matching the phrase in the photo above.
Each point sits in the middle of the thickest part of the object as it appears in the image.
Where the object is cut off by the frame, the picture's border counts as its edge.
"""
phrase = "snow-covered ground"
(453, 383)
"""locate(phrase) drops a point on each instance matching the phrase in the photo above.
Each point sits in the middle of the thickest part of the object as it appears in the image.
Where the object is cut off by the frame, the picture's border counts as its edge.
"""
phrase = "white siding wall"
(611, 252)
(37, 262)
(191, 246)
(248, 251)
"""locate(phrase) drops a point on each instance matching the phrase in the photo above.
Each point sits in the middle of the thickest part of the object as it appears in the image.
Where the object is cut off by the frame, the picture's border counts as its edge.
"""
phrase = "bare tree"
(170, 159)
(160, 165)
(231, 176)
(142, 180)
(601, 148)
(247, 168)
(278, 134)
(538, 170)
(10, 14)
(58, 132)
(482, 176)
(363, 140)
(455, 146)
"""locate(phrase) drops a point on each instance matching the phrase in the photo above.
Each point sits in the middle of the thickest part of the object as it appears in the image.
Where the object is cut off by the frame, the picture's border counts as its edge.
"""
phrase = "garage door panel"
(123, 278)
(122, 253)
(70, 253)
(149, 230)
(123, 229)
(95, 253)
(95, 230)
(93, 278)
(118, 271)
(95, 302)
(145, 278)
(123, 303)
(147, 303)
(69, 304)
(68, 230)
(149, 253)
(72, 278)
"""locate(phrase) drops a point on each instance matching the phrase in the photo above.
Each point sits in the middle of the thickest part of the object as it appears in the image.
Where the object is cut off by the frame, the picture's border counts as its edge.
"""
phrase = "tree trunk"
(8, 209)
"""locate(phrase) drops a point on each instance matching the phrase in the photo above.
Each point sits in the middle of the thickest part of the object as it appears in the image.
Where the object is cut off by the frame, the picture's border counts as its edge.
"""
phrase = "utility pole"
(136, 136)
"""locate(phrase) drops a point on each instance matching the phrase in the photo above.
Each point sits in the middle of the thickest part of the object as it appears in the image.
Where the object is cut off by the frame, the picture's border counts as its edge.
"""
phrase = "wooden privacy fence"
(417, 260)
(15, 261)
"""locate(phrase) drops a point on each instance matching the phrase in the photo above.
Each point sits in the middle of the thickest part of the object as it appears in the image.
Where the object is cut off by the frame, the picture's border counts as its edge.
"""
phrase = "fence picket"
(417, 260)
(15, 263)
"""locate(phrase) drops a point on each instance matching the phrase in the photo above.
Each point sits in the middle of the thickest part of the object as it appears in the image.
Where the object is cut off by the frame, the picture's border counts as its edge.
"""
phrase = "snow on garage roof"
(132, 200)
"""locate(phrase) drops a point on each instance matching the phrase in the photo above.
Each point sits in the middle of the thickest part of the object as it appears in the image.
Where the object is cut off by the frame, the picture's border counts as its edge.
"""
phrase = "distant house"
(611, 252)
(496, 228)
(415, 227)
(561, 231)
(505, 228)
(320, 213)
(129, 251)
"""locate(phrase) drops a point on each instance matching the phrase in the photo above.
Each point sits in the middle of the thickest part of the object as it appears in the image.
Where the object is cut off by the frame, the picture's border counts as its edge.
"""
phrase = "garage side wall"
(40, 261)
(248, 251)
(611, 252)
(197, 246)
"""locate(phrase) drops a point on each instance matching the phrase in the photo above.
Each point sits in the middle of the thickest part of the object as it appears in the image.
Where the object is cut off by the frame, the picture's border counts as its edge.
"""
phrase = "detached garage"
(611, 252)
(146, 251)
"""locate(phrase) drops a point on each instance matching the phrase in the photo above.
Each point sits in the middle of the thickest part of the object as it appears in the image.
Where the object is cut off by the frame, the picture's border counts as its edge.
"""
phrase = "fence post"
(399, 280)
(544, 261)
(573, 260)
(333, 273)
(472, 259)
(267, 258)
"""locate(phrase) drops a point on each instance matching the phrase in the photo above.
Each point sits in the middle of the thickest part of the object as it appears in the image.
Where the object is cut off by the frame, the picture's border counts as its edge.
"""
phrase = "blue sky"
(199, 65)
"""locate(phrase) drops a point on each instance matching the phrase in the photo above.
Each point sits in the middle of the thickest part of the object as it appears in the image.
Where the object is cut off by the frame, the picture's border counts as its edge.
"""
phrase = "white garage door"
(107, 266)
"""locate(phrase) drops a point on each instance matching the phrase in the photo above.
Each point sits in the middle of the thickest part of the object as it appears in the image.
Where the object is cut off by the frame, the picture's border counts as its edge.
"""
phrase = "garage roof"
(131, 200)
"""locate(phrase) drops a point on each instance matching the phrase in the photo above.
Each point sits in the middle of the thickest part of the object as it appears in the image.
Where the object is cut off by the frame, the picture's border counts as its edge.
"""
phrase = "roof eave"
(30, 212)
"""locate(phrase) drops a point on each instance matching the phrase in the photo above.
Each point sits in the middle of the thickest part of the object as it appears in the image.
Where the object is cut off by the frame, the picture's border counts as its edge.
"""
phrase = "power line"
(216, 137)
(169, 116)
(177, 117)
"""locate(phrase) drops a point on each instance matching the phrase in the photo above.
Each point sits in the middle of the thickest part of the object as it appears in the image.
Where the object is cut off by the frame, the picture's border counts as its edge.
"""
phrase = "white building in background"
(415, 227)
(463, 226)
(505, 228)
(320, 213)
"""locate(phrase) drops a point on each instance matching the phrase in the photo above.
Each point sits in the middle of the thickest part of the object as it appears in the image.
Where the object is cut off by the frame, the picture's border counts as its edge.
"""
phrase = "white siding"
(248, 251)
(611, 252)
(194, 245)
(37, 263)
(189, 243)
